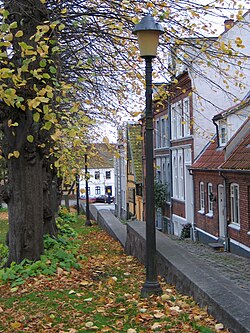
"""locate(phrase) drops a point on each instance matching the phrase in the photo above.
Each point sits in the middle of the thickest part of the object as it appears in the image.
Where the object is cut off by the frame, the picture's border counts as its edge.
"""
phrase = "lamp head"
(148, 32)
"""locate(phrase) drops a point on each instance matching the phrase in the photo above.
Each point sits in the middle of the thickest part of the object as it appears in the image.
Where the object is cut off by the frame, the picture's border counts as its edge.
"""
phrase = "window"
(97, 190)
(234, 200)
(210, 199)
(108, 174)
(163, 133)
(174, 122)
(158, 134)
(202, 198)
(175, 178)
(222, 133)
(179, 120)
(97, 174)
(181, 176)
(186, 117)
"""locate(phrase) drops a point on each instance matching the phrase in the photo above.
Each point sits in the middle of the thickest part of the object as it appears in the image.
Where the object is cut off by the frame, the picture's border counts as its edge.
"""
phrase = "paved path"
(218, 280)
(231, 266)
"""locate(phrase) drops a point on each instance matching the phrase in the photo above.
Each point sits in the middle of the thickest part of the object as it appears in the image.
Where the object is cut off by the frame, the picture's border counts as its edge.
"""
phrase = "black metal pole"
(77, 194)
(151, 286)
(88, 222)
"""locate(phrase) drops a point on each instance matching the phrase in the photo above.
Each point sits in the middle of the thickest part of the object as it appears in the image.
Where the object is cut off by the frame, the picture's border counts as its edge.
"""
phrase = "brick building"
(222, 185)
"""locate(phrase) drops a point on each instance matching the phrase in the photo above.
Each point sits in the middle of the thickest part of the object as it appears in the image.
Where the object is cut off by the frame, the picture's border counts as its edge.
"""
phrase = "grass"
(102, 296)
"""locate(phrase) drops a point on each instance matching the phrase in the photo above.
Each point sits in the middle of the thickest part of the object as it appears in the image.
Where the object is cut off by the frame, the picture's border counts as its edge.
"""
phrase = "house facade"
(221, 184)
(100, 165)
(182, 144)
(134, 172)
(120, 165)
(198, 92)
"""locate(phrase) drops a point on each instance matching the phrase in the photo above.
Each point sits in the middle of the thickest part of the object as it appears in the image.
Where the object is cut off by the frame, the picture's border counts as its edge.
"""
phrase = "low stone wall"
(226, 302)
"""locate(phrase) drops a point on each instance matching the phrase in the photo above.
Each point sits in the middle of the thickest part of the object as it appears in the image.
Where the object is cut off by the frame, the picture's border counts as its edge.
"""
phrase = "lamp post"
(88, 222)
(148, 32)
(77, 194)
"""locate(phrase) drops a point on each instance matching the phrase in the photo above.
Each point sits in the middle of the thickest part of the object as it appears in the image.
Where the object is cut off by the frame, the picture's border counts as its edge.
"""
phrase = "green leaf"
(52, 70)
(48, 125)
(13, 25)
(30, 138)
(36, 117)
(43, 63)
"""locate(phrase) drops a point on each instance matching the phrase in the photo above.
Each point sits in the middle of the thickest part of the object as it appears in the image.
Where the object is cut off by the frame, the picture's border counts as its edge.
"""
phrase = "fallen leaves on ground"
(103, 296)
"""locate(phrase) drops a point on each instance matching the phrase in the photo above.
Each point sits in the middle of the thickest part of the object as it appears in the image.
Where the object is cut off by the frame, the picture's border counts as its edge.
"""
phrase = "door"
(221, 210)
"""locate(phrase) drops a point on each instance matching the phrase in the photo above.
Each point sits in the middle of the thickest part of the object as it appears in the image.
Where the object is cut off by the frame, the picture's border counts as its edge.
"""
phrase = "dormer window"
(223, 133)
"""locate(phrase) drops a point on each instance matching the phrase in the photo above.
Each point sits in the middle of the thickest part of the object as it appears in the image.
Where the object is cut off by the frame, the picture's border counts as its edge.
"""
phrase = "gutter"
(220, 170)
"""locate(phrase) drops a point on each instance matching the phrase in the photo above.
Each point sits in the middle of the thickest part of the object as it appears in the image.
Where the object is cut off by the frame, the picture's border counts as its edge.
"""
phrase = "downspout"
(193, 230)
(170, 164)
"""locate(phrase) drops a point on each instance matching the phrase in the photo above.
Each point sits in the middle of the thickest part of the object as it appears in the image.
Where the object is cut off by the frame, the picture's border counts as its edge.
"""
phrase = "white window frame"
(235, 203)
(202, 197)
(179, 120)
(175, 176)
(163, 132)
(186, 117)
(209, 201)
(97, 190)
(174, 121)
(222, 133)
(181, 175)
(158, 133)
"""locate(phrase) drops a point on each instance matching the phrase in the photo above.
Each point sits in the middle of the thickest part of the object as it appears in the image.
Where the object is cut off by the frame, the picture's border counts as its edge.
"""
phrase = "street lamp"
(148, 32)
(88, 222)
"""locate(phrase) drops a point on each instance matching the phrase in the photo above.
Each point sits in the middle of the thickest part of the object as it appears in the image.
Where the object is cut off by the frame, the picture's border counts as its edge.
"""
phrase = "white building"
(101, 172)
(219, 70)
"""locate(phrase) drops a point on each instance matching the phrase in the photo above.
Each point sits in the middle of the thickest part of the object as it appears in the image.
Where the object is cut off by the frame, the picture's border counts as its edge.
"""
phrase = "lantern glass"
(148, 42)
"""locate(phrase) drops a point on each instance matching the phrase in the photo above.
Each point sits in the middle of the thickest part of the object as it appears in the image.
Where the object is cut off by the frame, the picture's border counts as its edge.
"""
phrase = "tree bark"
(25, 209)
(24, 192)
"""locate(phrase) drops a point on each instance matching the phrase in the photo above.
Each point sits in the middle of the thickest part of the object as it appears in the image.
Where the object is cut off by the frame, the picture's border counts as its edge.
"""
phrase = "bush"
(58, 252)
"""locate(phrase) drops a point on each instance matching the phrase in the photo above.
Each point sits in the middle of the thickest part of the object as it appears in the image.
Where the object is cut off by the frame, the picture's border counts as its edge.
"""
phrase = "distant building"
(101, 171)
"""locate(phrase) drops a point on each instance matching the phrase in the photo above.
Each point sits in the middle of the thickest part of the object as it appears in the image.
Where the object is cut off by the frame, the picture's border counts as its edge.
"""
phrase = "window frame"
(98, 190)
(97, 175)
(235, 204)
(186, 117)
(108, 172)
(209, 201)
(222, 133)
(202, 197)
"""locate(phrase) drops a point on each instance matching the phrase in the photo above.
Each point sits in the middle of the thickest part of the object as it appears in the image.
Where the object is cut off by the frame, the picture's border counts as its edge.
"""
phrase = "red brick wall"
(178, 208)
(211, 224)
(208, 224)
(243, 180)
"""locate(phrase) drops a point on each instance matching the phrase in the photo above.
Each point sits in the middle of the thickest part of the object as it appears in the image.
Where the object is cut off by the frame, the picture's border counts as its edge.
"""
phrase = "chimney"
(228, 24)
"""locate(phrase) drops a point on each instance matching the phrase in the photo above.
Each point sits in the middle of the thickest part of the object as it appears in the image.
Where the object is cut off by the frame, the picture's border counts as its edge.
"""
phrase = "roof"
(211, 158)
(240, 158)
(234, 156)
(233, 109)
(135, 150)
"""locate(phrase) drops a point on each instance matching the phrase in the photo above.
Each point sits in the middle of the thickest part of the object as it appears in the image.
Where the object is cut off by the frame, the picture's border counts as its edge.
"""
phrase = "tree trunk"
(25, 209)
(24, 193)
(50, 202)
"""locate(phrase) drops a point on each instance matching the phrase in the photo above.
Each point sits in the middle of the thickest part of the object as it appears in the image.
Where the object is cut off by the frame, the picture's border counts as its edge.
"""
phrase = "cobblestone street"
(231, 266)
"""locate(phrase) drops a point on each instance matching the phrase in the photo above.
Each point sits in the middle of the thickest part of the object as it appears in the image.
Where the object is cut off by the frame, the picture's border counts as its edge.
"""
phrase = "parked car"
(92, 198)
(104, 198)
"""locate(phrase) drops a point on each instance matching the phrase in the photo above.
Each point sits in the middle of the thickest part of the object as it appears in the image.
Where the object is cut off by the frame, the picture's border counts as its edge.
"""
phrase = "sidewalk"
(229, 265)
(218, 280)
